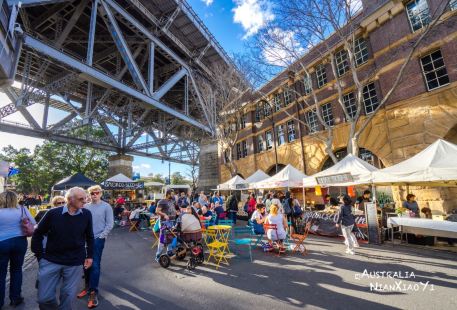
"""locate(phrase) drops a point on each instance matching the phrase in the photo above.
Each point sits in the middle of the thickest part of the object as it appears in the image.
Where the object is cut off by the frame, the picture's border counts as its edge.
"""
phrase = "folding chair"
(133, 225)
(155, 232)
(237, 231)
(259, 237)
(299, 240)
(216, 249)
(275, 243)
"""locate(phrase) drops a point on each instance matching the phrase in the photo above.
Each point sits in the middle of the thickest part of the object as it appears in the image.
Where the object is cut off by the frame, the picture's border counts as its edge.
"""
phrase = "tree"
(178, 178)
(192, 174)
(156, 178)
(224, 98)
(51, 162)
(305, 30)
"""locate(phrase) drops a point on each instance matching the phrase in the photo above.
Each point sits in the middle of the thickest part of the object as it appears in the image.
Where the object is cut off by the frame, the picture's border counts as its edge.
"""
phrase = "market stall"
(77, 179)
(350, 171)
(288, 177)
(122, 185)
(231, 184)
(257, 176)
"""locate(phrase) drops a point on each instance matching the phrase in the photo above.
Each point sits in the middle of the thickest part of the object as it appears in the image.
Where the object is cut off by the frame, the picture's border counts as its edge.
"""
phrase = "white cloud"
(146, 166)
(355, 6)
(208, 2)
(283, 48)
(253, 15)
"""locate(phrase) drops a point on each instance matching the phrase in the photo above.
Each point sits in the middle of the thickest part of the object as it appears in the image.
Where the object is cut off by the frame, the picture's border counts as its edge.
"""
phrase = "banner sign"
(334, 179)
(241, 186)
(123, 185)
(4, 168)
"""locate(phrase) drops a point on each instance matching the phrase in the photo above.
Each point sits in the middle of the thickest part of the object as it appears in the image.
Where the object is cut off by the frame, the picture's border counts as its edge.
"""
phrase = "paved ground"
(324, 279)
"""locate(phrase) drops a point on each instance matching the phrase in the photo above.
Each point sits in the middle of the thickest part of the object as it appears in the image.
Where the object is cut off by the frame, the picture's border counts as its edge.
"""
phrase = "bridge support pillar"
(120, 164)
(208, 176)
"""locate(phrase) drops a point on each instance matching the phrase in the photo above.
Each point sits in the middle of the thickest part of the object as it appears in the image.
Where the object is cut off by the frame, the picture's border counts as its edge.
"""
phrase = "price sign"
(371, 216)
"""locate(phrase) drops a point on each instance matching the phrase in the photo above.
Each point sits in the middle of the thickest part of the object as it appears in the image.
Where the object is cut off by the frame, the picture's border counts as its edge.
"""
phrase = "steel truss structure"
(126, 67)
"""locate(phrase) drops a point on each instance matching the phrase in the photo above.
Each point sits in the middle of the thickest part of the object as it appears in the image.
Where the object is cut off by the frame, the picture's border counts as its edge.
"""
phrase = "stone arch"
(272, 170)
(451, 135)
(364, 154)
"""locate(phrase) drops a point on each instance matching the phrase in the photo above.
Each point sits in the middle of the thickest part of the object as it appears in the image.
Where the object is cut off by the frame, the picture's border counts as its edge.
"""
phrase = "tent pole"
(304, 198)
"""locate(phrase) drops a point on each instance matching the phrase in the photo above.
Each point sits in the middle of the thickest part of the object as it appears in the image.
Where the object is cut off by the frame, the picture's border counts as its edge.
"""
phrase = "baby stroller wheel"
(164, 261)
(191, 264)
(200, 256)
(180, 253)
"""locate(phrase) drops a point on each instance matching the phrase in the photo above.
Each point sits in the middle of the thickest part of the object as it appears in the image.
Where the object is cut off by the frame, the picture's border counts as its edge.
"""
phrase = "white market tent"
(257, 176)
(435, 165)
(358, 170)
(286, 178)
(120, 178)
(231, 184)
(152, 183)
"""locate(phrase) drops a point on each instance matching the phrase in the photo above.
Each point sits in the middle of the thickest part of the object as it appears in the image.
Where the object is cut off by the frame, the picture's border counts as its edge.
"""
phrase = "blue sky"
(232, 22)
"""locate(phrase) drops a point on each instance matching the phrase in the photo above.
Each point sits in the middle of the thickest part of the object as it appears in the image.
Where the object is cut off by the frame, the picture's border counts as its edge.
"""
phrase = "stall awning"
(288, 177)
(77, 179)
(231, 184)
(435, 165)
(120, 181)
(351, 170)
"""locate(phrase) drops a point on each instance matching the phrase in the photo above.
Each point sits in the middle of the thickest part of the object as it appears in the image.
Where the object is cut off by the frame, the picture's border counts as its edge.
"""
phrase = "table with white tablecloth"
(426, 227)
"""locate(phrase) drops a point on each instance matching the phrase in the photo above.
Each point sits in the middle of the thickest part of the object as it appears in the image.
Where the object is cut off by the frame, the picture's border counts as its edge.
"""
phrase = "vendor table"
(426, 227)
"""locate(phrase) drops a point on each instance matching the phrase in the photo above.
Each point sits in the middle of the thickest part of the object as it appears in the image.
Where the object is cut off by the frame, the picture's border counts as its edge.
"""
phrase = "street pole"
(169, 172)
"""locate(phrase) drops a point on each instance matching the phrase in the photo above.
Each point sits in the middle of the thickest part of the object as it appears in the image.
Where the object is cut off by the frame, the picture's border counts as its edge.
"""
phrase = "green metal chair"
(238, 241)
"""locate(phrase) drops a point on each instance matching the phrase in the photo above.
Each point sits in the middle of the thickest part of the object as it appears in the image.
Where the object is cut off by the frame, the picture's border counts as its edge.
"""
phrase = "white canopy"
(257, 176)
(351, 166)
(286, 178)
(152, 183)
(120, 178)
(435, 165)
(231, 184)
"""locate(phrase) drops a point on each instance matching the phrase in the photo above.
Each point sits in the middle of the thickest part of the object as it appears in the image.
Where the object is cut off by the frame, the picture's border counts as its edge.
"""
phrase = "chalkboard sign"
(371, 216)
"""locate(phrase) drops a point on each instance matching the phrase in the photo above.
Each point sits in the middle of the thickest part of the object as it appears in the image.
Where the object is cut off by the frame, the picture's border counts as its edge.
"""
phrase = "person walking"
(13, 245)
(347, 221)
(167, 212)
(102, 223)
(232, 207)
(69, 246)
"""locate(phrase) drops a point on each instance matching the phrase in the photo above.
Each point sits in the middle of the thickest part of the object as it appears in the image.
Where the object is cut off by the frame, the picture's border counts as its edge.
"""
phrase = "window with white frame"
(287, 97)
(244, 148)
(307, 82)
(418, 14)
(453, 5)
(349, 103)
(370, 100)
(341, 61)
(277, 102)
(321, 75)
(258, 113)
(291, 131)
(243, 121)
(327, 114)
(434, 70)
(269, 139)
(311, 120)
(238, 151)
(260, 144)
(360, 51)
(266, 109)
(280, 135)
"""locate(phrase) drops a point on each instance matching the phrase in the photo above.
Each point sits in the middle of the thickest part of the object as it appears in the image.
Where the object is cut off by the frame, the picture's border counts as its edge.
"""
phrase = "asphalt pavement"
(377, 277)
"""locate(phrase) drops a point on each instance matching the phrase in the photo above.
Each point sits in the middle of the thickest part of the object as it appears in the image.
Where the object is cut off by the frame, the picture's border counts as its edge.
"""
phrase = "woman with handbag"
(16, 224)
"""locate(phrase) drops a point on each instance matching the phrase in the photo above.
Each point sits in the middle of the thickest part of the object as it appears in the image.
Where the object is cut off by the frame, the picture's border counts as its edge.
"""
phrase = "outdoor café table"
(222, 234)
(426, 227)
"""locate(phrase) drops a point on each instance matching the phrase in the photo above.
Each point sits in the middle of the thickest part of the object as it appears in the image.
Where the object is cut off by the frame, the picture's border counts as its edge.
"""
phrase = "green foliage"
(177, 178)
(155, 178)
(53, 161)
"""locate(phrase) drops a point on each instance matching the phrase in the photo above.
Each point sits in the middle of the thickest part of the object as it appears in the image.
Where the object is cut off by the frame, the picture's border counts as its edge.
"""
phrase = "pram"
(185, 243)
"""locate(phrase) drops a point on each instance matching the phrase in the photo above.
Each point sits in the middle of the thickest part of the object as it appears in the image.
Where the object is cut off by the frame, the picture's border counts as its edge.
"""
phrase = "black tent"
(77, 179)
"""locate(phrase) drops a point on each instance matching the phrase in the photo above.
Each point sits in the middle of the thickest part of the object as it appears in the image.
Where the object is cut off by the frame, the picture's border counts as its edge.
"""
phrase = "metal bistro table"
(426, 227)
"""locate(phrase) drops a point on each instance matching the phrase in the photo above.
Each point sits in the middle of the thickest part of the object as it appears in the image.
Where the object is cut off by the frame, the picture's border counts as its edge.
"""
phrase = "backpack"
(297, 210)
(286, 207)
(245, 208)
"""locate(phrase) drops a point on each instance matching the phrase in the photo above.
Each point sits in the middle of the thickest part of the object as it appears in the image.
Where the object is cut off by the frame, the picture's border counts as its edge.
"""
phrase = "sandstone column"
(208, 176)
(120, 164)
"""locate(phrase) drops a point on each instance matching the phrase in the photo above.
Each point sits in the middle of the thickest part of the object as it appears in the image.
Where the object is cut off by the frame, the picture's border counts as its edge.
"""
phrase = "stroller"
(184, 243)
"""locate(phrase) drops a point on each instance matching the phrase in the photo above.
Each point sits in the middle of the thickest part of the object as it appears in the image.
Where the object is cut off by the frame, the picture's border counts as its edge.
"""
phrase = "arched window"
(364, 154)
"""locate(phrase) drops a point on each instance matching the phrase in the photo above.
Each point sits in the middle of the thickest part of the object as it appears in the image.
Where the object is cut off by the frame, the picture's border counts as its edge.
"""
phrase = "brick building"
(422, 109)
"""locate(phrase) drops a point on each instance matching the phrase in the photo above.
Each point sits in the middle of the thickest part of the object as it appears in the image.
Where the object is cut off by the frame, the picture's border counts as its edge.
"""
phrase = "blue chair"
(238, 241)
(287, 240)
(259, 237)
(225, 222)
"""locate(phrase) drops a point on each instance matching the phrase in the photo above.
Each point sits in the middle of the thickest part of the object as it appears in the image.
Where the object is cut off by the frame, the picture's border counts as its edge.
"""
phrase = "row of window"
(419, 13)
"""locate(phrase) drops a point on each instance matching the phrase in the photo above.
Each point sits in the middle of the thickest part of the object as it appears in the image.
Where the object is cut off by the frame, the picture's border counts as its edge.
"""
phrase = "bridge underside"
(127, 68)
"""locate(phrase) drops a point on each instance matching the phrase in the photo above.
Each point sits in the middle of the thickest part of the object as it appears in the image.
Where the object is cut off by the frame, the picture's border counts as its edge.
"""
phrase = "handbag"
(26, 226)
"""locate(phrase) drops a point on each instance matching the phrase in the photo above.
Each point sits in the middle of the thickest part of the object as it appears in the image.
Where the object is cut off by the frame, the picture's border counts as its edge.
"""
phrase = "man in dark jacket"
(69, 230)
(232, 207)
(347, 221)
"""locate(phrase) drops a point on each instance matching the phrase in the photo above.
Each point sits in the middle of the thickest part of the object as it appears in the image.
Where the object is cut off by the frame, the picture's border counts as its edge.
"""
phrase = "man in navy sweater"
(69, 231)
